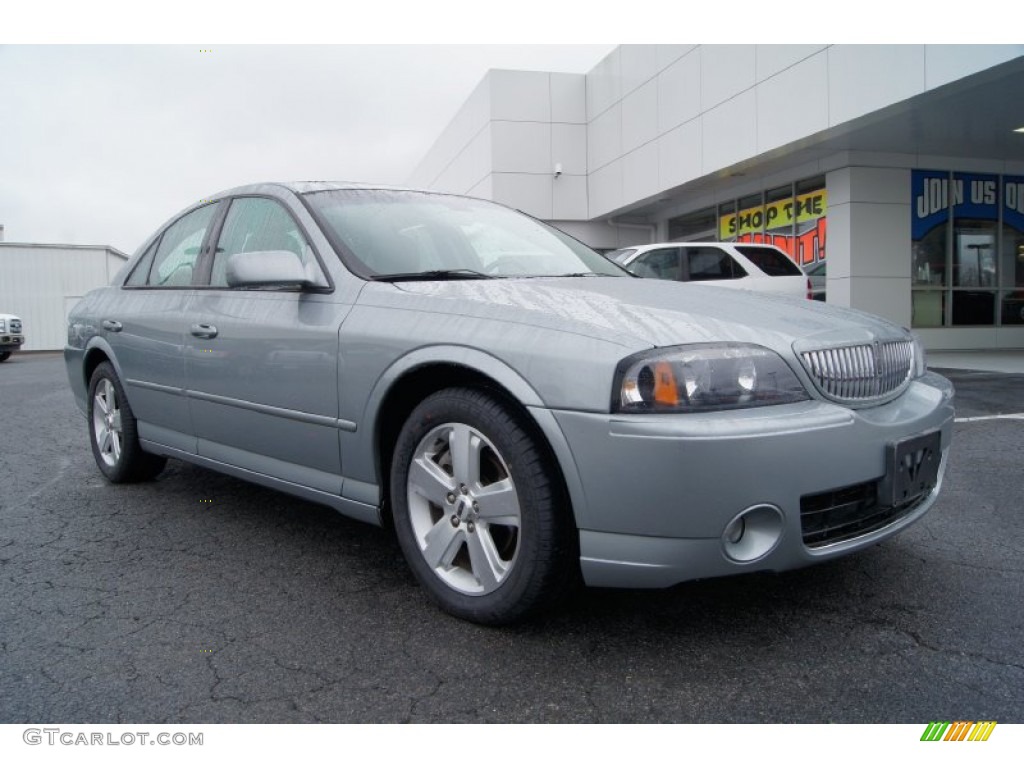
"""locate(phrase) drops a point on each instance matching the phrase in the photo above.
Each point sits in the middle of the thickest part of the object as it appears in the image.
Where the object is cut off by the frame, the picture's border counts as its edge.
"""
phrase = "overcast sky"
(101, 144)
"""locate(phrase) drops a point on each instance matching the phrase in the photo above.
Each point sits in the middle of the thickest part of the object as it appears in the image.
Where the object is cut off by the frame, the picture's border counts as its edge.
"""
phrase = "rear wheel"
(479, 511)
(113, 431)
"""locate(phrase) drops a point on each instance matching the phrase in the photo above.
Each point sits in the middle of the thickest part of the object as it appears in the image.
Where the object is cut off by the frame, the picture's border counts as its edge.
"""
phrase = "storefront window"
(727, 222)
(967, 248)
(975, 226)
(810, 207)
(701, 225)
(778, 214)
(750, 217)
(1012, 252)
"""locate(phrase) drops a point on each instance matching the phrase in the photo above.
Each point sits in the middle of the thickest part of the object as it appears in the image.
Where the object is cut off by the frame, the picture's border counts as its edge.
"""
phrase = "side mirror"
(262, 269)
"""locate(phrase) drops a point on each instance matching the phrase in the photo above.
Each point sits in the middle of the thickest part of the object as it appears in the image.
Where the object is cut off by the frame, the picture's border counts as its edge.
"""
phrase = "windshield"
(402, 234)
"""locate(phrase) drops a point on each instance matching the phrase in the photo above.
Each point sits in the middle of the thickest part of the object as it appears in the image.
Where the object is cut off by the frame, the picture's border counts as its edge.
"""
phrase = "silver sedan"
(523, 412)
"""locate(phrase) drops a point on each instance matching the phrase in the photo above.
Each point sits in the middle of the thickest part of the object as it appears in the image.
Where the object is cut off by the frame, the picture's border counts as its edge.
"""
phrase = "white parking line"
(1017, 416)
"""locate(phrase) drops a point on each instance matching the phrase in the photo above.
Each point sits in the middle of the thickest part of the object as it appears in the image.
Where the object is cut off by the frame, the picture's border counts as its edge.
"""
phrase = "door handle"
(203, 331)
(112, 325)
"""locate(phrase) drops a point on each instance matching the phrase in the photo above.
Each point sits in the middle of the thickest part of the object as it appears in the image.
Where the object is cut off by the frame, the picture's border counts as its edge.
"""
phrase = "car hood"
(640, 313)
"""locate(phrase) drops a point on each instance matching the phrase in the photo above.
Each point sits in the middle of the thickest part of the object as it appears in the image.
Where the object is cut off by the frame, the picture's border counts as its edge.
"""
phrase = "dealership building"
(901, 167)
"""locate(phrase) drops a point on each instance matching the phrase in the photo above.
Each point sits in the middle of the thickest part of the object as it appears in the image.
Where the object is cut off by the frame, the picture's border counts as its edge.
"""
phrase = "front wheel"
(4, 356)
(479, 511)
(113, 431)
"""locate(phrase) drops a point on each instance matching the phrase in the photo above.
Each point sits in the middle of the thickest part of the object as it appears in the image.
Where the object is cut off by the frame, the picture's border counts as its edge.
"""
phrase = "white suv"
(11, 337)
(734, 265)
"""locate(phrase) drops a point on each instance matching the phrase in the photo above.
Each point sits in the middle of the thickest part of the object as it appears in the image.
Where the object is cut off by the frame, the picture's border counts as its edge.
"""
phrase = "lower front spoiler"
(651, 562)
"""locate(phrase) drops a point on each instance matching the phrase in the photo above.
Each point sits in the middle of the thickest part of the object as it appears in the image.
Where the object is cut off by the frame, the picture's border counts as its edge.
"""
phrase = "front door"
(262, 364)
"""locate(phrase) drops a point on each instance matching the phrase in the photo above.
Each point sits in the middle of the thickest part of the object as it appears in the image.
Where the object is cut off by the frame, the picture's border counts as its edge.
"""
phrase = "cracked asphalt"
(202, 599)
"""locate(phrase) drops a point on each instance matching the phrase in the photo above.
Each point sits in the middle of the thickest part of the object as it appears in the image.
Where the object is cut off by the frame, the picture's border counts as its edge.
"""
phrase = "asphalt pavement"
(198, 598)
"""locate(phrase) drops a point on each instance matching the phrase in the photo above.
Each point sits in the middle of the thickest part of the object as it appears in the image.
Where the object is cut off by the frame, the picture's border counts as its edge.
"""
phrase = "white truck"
(11, 337)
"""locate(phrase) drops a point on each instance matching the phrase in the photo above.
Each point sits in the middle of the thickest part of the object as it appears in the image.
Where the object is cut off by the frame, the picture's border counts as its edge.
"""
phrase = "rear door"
(145, 327)
(714, 266)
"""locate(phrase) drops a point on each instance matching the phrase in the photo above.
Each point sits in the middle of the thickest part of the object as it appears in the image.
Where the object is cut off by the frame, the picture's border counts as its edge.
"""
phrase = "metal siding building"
(40, 284)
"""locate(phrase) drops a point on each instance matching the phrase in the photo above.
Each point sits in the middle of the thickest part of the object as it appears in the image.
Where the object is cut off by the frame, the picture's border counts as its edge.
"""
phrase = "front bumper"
(11, 342)
(660, 491)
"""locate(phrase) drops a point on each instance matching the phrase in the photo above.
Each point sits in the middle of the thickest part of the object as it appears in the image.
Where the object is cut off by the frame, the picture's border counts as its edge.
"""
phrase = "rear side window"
(770, 261)
(140, 275)
(178, 252)
(712, 264)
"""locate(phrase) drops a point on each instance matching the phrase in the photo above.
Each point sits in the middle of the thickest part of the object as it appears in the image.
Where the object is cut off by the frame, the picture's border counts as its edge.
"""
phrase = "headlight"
(704, 377)
(3, 326)
(920, 362)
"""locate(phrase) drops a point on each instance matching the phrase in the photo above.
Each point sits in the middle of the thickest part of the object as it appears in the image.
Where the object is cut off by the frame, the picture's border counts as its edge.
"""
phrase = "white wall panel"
(520, 95)
(881, 240)
(596, 234)
(569, 197)
(569, 147)
(604, 189)
(772, 59)
(865, 78)
(467, 123)
(484, 189)
(729, 132)
(726, 70)
(521, 147)
(837, 289)
(888, 297)
(639, 64)
(640, 172)
(640, 116)
(1005, 337)
(793, 104)
(568, 98)
(604, 85)
(604, 138)
(468, 167)
(946, 63)
(528, 192)
(679, 92)
(669, 54)
(870, 185)
(679, 155)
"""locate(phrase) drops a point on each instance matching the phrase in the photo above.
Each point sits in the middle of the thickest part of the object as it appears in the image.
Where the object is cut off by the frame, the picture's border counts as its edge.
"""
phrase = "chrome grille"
(15, 326)
(862, 372)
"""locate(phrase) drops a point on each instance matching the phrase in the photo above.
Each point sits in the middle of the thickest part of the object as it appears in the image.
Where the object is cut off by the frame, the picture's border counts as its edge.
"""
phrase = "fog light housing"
(753, 533)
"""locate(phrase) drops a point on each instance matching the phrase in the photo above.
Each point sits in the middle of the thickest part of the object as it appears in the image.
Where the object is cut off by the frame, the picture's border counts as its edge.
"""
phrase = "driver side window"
(258, 224)
(662, 263)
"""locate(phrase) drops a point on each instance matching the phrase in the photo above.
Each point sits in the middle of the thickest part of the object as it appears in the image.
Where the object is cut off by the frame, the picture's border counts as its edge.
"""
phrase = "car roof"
(717, 243)
(303, 187)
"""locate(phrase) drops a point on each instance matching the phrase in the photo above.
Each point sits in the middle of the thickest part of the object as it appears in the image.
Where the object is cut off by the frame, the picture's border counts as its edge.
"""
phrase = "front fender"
(359, 447)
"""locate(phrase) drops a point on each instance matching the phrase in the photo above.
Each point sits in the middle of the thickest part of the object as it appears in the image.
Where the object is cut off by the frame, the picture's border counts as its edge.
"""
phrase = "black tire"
(491, 539)
(4, 356)
(113, 431)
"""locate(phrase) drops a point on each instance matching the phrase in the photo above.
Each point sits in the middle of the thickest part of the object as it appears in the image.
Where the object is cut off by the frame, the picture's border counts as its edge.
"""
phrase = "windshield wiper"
(433, 274)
